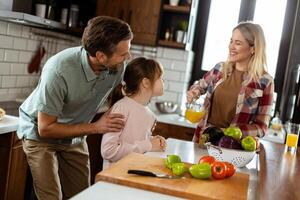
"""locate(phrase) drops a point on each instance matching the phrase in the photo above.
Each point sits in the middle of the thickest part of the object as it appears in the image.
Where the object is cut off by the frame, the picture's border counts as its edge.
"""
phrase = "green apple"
(171, 159)
(249, 143)
(179, 169)
(233, 132)
(201, 171)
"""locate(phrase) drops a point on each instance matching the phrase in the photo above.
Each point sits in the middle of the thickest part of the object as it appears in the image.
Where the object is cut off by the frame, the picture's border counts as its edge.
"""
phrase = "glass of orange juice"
(194, 113)
(292, 137)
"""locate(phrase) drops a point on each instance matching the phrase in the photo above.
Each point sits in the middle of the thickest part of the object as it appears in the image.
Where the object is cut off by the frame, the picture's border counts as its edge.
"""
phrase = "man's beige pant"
(59, 171)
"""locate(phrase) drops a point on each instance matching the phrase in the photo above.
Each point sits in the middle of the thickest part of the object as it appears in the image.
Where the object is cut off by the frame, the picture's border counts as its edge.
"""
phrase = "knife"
(151, 174)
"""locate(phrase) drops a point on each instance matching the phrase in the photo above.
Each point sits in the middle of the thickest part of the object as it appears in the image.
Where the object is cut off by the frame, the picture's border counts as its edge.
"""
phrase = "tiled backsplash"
(18, 44)
(177, 69)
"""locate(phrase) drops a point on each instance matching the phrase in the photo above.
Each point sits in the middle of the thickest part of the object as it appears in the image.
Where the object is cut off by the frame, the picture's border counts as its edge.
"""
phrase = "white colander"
(239, 158)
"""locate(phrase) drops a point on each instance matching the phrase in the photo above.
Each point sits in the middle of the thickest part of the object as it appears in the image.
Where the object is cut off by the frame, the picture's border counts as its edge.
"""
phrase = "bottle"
(167, 34)
(276, 123)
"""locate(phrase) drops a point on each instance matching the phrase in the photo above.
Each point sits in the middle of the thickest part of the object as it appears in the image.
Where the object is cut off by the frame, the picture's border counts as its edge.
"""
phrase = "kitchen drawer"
(174, 131)
(182, 133)
(6, 139)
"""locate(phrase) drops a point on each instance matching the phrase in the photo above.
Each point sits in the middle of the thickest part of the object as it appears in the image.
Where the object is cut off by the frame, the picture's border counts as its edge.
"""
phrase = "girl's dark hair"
(103, 33)
(135, 72)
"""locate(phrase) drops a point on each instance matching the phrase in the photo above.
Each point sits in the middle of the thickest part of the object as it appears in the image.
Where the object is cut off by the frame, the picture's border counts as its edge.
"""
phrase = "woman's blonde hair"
(254, 35)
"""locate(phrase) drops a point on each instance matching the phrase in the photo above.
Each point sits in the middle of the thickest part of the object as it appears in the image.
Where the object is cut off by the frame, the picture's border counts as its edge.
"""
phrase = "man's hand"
(110, 122)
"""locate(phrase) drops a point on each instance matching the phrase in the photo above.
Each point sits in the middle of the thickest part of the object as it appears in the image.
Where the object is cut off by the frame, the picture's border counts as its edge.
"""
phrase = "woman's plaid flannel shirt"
(254, 103)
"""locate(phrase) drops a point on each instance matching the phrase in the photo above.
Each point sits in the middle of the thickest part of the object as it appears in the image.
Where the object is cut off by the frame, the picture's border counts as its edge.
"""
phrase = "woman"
(239, 92)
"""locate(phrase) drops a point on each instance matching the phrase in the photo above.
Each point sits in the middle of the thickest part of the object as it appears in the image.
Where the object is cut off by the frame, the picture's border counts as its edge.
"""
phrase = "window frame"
(247, 9)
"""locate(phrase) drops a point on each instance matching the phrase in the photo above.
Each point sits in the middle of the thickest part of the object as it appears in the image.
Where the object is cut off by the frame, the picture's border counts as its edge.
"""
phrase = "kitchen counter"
(277, 178)
(189, 152)
(279, 172)
(9, 124)
(174, 119)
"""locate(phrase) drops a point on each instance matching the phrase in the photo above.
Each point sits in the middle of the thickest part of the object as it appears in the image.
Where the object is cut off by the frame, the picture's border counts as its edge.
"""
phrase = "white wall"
(18, 44)
(177, 65)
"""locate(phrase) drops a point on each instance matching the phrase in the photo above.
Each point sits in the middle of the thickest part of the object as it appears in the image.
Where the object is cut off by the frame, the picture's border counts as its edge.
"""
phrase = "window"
(272, 23)
(219, 31)
(222, 17)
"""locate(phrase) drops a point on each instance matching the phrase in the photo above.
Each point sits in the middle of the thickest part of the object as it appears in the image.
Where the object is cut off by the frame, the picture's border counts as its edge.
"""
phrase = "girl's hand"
(157, 143)
(163, 143)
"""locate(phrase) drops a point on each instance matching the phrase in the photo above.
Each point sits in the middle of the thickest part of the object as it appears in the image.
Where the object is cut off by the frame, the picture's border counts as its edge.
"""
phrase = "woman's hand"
(257, 144)
(192, 93)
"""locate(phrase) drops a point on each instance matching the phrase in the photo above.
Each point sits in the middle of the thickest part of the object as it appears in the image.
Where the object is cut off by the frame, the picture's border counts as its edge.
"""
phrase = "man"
(55, 118)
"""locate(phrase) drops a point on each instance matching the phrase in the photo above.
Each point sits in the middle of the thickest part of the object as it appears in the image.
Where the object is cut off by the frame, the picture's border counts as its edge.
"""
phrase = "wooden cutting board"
(235, 187)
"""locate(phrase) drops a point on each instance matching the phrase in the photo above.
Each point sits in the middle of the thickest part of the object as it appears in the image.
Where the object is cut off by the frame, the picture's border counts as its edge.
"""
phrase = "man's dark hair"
(103, 33)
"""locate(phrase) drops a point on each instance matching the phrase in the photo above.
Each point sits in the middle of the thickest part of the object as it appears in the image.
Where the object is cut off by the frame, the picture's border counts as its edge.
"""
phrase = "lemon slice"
(2, 113)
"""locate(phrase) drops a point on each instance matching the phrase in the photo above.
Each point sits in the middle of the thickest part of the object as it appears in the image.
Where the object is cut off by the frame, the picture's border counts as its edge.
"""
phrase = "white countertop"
(188, 151)
(9, 124)
(174, 119)
(110, 191)
(275, 136)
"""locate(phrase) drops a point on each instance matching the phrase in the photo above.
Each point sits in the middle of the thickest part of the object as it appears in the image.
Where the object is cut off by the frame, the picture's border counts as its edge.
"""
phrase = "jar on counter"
(74, 12)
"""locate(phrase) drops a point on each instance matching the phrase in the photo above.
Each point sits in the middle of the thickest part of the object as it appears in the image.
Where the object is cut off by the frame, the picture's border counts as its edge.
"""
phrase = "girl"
(142, 80)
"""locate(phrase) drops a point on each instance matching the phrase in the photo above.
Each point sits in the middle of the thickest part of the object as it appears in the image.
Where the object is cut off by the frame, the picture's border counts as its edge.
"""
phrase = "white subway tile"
(26, 91)
(149, 54)
(19, 43)
(22, 81)
(6, 41)
(32, 45)
(1, 54)
(152, 49)
(8, 81)
(14, 29)
(3, 90)
(14, 91)
(136, 52)
(185, 77)
(4, 68)
(3, 27)
(25, 56)
(179, 66)
(166, 63)
(166, 84)
(168, 96)
(186, 55)
(173, 54)
(160, 51)
(176, 86)
(137, 47)
(172, 75)
(16, 68)
(25, 31)
(11, 55)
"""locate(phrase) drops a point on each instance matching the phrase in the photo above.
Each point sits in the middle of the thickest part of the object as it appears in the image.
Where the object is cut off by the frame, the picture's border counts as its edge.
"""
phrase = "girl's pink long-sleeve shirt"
(135, 136)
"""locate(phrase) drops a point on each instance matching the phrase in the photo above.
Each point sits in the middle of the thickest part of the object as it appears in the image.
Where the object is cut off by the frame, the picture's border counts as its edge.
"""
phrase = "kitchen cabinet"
(13, 168)
(174, 131)
(174, 25)
(142, 20)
